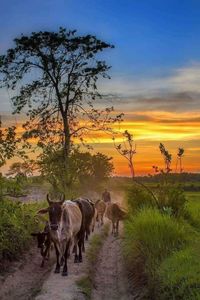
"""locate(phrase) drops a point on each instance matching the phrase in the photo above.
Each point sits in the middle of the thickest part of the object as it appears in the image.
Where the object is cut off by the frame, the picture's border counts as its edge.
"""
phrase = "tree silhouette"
(127, 150)
(179, 159)
(53, 77)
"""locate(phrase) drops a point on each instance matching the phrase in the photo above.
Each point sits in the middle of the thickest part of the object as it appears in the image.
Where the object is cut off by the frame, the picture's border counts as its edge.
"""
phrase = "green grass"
(17, 222)
(193, 208)
(85, 286)
(179, 275)
(86, 282)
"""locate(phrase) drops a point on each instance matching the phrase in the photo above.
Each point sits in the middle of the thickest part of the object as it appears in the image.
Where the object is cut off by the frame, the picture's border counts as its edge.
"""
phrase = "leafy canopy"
(53, 76)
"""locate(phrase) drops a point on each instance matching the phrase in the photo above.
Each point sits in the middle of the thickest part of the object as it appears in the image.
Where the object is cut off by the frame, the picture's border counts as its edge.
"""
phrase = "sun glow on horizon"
(149, 129)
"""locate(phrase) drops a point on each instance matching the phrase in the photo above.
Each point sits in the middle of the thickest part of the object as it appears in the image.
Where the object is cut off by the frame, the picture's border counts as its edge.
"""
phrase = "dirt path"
(57, 287)
(111, 279)
(29, 281)
(25, 278)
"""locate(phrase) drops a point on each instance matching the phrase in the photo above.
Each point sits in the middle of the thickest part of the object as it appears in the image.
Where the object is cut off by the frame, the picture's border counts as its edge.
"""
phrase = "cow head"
(55, 212)
(40, 238)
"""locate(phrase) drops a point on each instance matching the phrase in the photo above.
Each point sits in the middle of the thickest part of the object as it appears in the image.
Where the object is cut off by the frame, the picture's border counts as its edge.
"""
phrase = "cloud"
(178, 91)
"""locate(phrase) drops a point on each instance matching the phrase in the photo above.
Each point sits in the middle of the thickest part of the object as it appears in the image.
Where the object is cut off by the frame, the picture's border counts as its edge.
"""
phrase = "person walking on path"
(106, 196)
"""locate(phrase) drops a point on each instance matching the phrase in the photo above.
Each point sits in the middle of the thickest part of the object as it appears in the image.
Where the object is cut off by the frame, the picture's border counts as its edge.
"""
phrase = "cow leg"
(65, 268)
(57, 269)
(83, 247)
(42, 263)
(112, 228)
(80, 243)
(76, 255)
(117, 227)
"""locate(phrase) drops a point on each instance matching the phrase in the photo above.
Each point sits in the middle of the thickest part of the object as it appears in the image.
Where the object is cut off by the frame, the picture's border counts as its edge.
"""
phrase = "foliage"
(85, 285)
(13, 187)
(173, 198)
(179, 275)
(16, 223)
(9, 144)
(192, 209)
(127, 149)
(138, 198)
(150, 237)
(83, 169)
(58, 97)
(24, 168)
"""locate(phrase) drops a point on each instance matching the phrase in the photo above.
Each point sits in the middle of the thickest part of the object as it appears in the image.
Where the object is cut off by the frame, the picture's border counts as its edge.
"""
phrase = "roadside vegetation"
(162, 239)
(17, 222)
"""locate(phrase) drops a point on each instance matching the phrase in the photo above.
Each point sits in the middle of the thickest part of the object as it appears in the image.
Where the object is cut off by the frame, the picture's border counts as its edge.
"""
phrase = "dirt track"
(110, 278)
(29, 281)
(25, 278)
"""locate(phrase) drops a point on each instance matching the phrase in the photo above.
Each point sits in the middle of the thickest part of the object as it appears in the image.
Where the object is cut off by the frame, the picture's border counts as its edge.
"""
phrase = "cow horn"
(48, 200)
(62, 198)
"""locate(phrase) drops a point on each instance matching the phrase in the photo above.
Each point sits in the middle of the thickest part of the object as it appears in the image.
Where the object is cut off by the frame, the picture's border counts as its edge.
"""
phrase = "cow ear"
(48, 199)
(34, 234)
(43, 211)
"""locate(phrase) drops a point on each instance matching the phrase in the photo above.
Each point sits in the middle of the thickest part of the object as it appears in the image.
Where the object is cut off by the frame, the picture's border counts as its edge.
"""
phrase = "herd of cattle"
(69, 225)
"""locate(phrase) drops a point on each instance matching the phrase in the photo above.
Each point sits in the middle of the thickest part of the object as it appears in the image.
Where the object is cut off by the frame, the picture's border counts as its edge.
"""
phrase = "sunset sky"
(155, 68)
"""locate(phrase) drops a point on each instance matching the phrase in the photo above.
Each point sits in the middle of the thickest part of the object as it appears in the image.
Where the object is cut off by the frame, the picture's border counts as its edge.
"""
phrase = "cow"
(100, 206)
(66, 229)
(44, 242)
(88, 211)
(115, 213)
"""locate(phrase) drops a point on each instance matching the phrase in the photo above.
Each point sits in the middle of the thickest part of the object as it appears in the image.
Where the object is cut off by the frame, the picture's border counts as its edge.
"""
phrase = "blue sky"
(155, 64)
(154, 40)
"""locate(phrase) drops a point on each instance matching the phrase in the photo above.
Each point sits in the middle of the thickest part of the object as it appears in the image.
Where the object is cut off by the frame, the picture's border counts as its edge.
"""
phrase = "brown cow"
(100, 206)
(66, 229)
(115, 213)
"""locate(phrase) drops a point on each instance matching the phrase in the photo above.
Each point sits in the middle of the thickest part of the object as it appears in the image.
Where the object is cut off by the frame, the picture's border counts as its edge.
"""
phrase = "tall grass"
(179, 275)
(150, 236)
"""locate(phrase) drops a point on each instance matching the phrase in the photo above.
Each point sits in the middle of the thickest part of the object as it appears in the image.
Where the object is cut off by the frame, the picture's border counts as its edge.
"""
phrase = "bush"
(173, 198)
(179, 275)
(138, 198)
(150, 237)
(16, 223)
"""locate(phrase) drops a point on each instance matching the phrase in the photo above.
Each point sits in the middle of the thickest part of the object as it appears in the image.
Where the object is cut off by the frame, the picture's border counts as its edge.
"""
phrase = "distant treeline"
(187, 181)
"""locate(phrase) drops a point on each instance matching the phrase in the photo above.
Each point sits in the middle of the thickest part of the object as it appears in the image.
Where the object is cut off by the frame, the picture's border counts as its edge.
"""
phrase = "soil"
(110, 277)
(24, 279)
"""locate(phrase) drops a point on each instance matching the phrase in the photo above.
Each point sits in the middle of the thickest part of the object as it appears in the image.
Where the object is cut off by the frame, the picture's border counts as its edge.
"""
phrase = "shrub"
(138, 198)
(179, 275)
(173, 198)
(150, 237)
(16, 223)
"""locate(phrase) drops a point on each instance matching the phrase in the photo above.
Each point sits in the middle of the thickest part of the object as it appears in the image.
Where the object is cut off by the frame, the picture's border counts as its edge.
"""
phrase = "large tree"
(53, 76)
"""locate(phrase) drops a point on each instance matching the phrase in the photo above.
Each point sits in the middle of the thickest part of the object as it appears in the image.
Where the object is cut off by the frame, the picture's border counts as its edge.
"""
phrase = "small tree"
(128, 149)
(179, 159)
(84, 169)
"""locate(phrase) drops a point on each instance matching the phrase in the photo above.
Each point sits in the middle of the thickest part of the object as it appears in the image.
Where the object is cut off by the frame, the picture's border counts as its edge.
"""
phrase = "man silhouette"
(106, 196)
